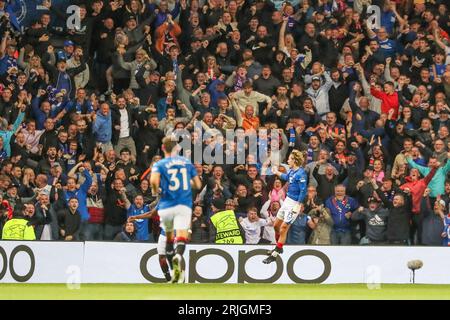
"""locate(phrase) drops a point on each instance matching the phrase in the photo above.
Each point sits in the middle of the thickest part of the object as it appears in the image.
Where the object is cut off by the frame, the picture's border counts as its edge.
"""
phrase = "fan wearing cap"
(137, 30)
(62, 77)
(318, 92)
(375, 218)
(443, 120)
(69, 48)
(12, 195)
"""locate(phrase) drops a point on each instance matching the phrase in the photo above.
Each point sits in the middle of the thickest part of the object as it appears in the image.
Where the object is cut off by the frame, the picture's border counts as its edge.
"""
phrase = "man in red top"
(417, 187)
(389, 98)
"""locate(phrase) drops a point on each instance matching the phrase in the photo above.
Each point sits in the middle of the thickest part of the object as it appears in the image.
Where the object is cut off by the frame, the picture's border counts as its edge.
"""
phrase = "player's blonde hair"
(298, 157)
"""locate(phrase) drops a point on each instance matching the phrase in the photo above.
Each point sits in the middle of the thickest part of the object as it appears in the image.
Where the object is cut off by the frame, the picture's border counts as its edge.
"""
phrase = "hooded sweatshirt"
(376, 222)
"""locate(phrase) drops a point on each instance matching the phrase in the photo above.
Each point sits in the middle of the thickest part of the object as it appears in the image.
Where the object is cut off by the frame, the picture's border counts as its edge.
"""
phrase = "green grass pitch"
(222, 291)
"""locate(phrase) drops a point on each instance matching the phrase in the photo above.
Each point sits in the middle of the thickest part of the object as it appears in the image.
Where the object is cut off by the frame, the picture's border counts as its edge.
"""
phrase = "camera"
(316, 213)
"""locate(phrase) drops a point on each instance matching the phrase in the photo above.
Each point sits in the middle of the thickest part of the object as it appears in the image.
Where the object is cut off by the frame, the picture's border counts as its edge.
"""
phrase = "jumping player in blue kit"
(174, 175)
(293, 204)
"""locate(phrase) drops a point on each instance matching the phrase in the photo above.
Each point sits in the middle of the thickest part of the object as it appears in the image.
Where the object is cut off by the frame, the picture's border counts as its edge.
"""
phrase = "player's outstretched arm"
(145, 215)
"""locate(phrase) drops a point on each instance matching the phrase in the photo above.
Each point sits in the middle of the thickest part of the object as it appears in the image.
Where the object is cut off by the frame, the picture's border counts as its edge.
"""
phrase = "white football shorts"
(285, 212)
(176, 218)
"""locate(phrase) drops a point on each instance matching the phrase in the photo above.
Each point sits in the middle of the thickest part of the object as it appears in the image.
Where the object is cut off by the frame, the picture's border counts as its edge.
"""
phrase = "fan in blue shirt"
(139, 208)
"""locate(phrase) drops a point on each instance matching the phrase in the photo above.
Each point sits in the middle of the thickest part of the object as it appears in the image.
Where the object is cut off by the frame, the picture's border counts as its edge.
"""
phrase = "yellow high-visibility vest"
(227, 227)
(17, 229)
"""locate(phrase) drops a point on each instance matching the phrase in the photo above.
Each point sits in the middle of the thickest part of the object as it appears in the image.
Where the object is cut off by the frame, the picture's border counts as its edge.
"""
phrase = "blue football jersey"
(298, 182)
(176, 175)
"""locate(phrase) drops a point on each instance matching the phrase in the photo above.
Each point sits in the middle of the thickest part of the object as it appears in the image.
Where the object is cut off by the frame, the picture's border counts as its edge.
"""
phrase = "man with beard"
(149, 139)
(45, 164)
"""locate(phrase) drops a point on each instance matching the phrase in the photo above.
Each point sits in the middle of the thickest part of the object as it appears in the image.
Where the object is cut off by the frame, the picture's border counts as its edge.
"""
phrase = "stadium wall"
(112, 262)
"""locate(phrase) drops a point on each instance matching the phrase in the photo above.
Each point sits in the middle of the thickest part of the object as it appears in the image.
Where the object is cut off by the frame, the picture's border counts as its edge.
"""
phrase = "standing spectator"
(433, 221)
(389, 98)
(298, 231)
(102, 127)
(123, 117)
(17, 228)
(437, 183)
(399, 216)
(115, 212)
(375, 218)
(318, 92)
(95, 205)
(70, 221)
(137, 208)
(199, 226)
(73, 191)
(341, 207)
(252, 225)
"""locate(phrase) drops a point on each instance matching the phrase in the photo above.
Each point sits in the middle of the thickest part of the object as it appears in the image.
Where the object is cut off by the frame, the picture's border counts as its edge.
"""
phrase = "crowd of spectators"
(83, 111)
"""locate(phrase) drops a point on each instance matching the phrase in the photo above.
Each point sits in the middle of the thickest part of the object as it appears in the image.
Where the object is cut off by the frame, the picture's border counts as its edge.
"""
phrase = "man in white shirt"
(125, 139)
(32, 136)
(252, 226)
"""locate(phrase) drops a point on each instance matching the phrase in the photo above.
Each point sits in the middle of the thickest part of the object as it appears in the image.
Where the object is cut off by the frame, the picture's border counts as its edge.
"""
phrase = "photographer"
(321, 225)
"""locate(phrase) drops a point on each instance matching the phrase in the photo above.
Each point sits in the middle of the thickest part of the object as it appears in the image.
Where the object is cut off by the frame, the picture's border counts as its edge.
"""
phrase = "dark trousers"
(99, 70)
(121, 85)
(416, 229)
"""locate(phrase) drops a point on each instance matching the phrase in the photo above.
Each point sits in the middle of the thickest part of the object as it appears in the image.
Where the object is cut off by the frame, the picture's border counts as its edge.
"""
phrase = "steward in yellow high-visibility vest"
(226, 224)
(18, 229)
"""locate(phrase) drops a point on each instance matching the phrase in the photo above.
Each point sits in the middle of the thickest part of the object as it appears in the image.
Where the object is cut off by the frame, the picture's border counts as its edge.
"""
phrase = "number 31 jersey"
(176, 174)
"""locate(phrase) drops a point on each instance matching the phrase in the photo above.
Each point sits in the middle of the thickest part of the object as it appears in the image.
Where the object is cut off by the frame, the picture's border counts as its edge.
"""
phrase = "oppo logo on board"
(8, 263)
(243, 257)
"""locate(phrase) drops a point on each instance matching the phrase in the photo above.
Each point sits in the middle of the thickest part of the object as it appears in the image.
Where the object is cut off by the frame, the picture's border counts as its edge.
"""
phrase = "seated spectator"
(128, 233)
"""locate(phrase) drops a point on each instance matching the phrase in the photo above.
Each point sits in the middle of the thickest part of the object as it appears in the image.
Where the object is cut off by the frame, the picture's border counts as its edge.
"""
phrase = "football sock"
(181, 245)
(164, 267)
